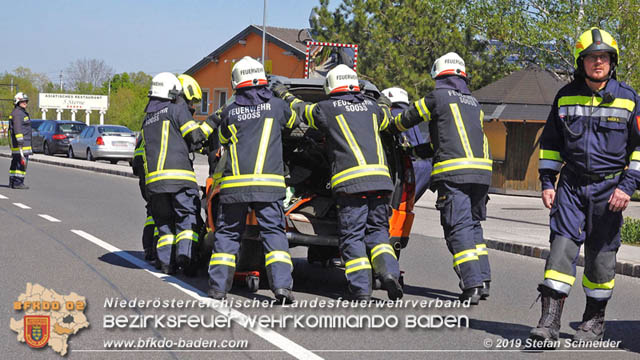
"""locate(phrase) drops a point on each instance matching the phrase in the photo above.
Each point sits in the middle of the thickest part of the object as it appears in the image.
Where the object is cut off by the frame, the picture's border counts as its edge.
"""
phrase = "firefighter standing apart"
(360, 180)
(20, 130)
(461, 170)
(589, 130)
(415, 136)
(250, 129)
(170, 134)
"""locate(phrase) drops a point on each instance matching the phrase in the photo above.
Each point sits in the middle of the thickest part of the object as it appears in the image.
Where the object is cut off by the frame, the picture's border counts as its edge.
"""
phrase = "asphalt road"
(95, 251)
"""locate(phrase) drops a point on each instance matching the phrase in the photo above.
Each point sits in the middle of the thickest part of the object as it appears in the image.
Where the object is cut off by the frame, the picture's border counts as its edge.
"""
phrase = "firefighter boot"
(592, 326)
(484, 292)
(474, 293)
(284, 296)
(549, 325)
(393, 287)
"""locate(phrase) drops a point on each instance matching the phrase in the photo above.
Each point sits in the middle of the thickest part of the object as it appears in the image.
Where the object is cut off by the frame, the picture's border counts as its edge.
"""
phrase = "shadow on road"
(430, 293)
(115, 259)
(620, 330)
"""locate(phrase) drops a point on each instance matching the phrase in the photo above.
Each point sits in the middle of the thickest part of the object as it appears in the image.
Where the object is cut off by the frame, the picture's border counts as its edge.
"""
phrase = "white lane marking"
(271, 336)
(48, 217)
(21, 205)
(3, 197)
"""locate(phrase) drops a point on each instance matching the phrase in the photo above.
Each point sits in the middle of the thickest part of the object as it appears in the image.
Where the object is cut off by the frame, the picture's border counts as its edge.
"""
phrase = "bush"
(4, 141)
(630, 232)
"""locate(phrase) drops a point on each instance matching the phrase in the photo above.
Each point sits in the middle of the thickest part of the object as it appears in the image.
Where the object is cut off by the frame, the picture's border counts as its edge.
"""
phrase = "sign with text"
(73, 101)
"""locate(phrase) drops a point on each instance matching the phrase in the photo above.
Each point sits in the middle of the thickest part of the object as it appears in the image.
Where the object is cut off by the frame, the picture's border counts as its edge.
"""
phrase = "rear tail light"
(59, 137)
(99, 141)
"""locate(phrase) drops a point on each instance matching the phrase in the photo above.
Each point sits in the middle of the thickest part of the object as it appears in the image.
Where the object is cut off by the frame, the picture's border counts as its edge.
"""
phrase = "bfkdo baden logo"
(49, 318)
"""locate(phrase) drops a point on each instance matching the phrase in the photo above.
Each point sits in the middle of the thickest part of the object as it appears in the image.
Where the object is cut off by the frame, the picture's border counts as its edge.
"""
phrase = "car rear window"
(114, 129)
(72, 128)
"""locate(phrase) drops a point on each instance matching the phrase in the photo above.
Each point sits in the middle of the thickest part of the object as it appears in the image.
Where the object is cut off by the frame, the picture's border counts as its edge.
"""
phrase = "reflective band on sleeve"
(385, 119)
(206, 129)
(462, 131)
(549, 165)
(264, 144)
(464, 256)
(170, 175)
(277, 256)
(155, 231)
(381, 249)
(188, 127)
(356, 265)
(634, 165)
(308, 113)
(149, 221)
(359, 171)
(165, 240)
(19, 136)
(252, 180)
(292, 120)
(223, 140)
(462, 163)
(138, 152)
(223, 259)
(398, 122)
(481, 249)
(550, 155)
(379, 148)
(351, 140)
(187, 235)
(635, 156)
(423, 110)
(558, 276)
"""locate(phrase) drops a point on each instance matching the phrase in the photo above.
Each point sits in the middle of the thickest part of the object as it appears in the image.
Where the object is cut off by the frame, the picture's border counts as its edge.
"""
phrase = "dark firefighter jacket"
(169, 134)
(595, 134)
(251, 131)
(456, 128)
(20, 130)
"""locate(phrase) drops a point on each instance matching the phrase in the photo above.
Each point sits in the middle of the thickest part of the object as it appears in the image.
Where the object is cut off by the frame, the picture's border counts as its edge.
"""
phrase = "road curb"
(78, 166)
(622, 267)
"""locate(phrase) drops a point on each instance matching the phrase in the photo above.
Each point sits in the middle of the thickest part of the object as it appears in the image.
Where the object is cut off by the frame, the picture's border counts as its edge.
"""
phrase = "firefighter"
(414, 137)
(149, 231)
(251, 131)
(461, 170)
(20, 130)
(170, 134)
(590, 130)
(360, 180)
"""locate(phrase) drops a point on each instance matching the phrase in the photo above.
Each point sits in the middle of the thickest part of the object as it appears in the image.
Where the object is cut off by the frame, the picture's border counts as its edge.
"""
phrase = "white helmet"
(396, 95)
(341, 79)
(248, 72)
(165, 86)
(20, 97)
(448, 64)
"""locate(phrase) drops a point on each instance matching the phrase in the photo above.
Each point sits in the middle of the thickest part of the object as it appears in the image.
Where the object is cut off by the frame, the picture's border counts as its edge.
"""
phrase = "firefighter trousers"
(363, 230)
(422, 170)
(176, 217)
(462, 207)
(580, 215)
(17, 171)
(230, 225)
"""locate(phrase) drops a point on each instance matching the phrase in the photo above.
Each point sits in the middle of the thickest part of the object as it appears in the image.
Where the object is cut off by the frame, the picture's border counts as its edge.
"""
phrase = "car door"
(77, 144)
(38, 136)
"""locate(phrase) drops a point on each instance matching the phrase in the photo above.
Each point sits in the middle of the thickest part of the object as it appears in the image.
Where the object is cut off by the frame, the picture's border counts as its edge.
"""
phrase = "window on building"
(204, 104)
(222, 98)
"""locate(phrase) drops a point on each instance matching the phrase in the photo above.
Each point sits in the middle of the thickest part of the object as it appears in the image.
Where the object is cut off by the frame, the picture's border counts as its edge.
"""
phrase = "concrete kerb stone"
(78, 166)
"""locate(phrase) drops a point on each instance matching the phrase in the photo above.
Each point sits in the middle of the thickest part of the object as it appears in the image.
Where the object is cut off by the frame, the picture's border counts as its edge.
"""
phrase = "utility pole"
(60, 80)
(264, 28)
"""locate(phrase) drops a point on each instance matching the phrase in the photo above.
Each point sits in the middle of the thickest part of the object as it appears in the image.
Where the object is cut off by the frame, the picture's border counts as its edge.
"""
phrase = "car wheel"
(115, 161)
(90, 155)
(70, 153)
(45, 149)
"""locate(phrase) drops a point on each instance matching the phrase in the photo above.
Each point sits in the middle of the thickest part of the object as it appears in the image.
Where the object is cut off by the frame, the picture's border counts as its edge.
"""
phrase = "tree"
(88, 75)
(399, 41)
(128, 99)
(26, 81)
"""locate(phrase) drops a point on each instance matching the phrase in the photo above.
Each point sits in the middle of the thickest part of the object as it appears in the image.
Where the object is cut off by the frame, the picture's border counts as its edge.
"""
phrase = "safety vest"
(252, 135)
(20, 130)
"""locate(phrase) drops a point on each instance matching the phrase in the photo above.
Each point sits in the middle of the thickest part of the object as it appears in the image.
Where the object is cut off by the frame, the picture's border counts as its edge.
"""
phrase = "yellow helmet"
(190, 88)
(594, 40)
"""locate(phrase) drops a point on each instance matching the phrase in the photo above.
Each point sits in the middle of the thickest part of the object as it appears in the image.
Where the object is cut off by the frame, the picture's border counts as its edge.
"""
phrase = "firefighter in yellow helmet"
(587, 140)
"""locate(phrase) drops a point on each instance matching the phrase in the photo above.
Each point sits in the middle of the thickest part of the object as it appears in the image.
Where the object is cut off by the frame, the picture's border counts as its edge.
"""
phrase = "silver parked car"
(104, 142)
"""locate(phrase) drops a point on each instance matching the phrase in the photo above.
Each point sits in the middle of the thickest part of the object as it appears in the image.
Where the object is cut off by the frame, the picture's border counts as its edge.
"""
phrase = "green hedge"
(4, 141)
(630, 232)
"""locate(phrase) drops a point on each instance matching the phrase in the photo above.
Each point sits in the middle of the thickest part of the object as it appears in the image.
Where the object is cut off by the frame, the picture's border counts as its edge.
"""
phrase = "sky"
(46, 36)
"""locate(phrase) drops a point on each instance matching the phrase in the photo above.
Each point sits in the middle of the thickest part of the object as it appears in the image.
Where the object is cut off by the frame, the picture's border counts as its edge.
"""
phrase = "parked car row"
(77, 140)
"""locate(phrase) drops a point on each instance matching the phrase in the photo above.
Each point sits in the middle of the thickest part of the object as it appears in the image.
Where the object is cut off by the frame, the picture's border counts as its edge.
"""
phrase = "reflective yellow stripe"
(485, 141)
(378, 141)
(223, 259)
(381, 249)
(596, 101)
(165, 240)
(223, 140)
(308, 113)
(351, 140)
(550, 155)
(481, 249)
(385, 119)
(635, 156)
(162, 157)
(149, 221)
(187, 235)
(359, 171)
(462, 132)
(17, 172)
(264, 144)
(277, 256)
(188, 127)
(19, 136)
(591, 285)
(172, 174)
(206, 129)
(144, 155)
(235, 169)
(464, 256)
(292, 120)
(357, 264)
(252, 180)
(423, 110)
(398, 122)
(554, 275)
(462, 163)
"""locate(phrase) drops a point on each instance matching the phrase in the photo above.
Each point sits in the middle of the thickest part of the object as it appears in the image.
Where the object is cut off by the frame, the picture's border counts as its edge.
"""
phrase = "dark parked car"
(35, 124)
(52, 137)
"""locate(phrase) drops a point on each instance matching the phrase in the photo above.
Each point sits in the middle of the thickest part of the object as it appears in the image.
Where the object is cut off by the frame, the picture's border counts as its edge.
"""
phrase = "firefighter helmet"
(448, 64)
(20, 97)
(190, 88)
(165, 86)
(248, 72)
(341, 79)
(595, 40)
(396, 95)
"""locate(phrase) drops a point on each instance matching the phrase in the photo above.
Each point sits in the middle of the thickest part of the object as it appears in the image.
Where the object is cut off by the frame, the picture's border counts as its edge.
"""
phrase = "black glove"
(280, 90)
(423, 151)
(383, 100)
